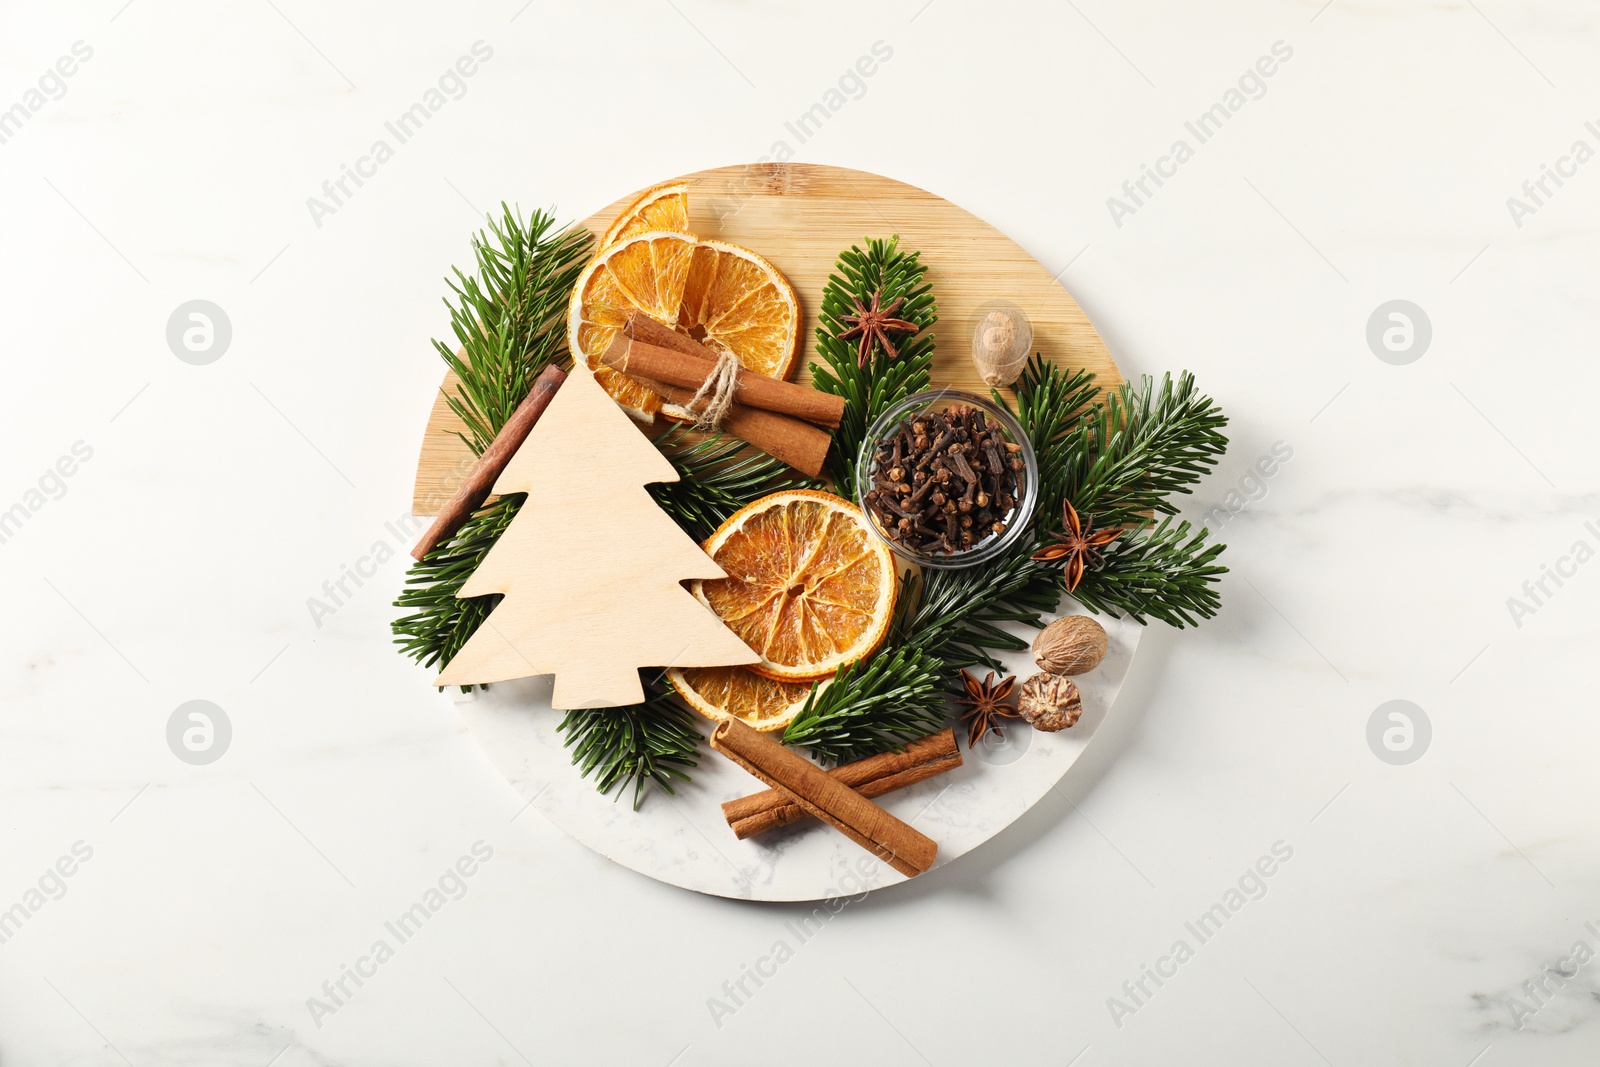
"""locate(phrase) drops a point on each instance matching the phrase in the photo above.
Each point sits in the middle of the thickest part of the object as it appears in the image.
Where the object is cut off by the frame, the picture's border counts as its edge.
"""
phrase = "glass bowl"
(940, 400)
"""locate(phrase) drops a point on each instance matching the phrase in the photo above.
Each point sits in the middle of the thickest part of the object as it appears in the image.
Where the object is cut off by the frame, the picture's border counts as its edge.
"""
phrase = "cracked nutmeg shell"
(1072, 645)
(1050, 702)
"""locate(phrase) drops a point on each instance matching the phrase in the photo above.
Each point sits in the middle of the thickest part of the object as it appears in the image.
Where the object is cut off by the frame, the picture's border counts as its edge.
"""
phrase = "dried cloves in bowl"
(944, 481)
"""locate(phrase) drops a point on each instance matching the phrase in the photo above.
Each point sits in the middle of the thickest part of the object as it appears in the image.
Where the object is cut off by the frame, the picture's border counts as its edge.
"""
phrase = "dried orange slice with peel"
(647, 273)
(809, 587)
(660, 207)
(736, 693)
(717, 293)
(735, 299)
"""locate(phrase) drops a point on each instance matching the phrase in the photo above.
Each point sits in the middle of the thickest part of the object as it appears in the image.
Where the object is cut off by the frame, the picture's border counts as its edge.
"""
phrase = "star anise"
(873, 323)
(1078, 544)
(987, 702)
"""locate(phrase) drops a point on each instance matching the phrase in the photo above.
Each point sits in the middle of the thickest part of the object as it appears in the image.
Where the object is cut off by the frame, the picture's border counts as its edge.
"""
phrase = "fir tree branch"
(1167, 572)
(946, 622)
(1051, 401)
(882, 703)
(718, 477)
(958, 614)
(510, 318)
(651, 742)
(440, 622)
(1119, 463)
(871, 390)
(1128, 457)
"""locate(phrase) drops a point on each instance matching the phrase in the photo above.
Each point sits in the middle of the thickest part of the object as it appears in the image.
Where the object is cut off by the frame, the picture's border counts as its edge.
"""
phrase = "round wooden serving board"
(801, 216)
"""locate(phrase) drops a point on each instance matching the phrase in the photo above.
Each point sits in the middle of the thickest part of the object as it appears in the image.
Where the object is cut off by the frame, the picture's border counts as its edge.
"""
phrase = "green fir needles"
(1167, 572)
(717, 477)
(651, 742)
(871, 390)
(439, 622)
(510, 319)
(1120, 462)
(1141, 446)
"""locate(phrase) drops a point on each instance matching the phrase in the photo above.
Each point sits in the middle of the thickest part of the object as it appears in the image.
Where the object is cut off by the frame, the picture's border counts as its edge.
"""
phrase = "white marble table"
(179, 529)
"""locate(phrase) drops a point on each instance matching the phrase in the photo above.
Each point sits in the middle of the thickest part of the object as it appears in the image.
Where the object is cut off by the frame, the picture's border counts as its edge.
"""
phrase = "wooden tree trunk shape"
(590, 566)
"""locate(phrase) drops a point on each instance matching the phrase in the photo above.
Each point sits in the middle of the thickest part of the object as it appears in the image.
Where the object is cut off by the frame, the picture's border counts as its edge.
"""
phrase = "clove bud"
(944, 482)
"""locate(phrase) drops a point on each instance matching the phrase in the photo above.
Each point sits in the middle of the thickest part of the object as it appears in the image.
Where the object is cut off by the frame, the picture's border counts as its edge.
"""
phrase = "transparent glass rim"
(1028, 490)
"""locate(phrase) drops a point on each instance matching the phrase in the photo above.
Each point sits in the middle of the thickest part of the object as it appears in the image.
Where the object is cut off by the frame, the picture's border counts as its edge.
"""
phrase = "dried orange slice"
(733, 298)
(645, 272)
(809, 587)
(737, 693)
(660, 207)
(717, 293)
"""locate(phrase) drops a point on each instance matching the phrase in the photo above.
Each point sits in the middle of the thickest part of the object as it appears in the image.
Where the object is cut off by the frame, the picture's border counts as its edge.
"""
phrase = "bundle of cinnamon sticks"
(842, 798)
(787, 421)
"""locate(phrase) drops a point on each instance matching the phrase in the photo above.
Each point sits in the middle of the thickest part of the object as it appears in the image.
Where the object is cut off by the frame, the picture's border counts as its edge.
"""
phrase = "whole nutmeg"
(1072, 645)
(1050, 702)
(1000, 345)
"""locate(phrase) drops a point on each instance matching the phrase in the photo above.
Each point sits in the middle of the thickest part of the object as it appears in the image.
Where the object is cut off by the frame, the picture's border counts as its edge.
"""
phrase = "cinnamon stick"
(479, 482)
(643, 359)
(641, 327)
(799, 444)
(871, 777)
(825, 797)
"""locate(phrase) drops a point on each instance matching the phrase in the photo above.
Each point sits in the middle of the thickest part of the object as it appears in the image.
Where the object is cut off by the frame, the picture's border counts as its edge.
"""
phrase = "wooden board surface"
(800, 216)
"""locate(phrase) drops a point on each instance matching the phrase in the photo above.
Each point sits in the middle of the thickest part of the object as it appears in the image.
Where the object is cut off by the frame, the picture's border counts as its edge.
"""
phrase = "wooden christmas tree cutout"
(590, 566)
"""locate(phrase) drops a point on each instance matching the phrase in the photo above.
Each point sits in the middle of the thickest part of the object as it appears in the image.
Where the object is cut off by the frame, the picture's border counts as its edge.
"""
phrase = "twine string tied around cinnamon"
(712, 401)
